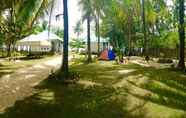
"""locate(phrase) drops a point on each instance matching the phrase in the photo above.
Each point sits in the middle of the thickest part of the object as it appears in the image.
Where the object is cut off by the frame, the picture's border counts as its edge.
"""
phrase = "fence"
(164, 52)
(159, 52)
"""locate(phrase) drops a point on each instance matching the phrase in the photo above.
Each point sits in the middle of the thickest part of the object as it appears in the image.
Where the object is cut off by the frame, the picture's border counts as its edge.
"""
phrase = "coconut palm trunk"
(144, 28)
(88, 40)
(64, 67)
(8, 50)
(98, 34)
(181, 64)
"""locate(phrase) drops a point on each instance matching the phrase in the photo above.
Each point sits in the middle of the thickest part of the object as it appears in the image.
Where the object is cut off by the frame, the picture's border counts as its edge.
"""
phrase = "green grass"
(106, 90)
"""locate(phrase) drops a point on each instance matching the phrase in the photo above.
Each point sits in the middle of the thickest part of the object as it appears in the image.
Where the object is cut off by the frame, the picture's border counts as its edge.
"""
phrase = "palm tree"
(87, 13)
(65, 68)
(98, 31)
(50, 16)
(88, 40)
(97, 8)
(181, 64)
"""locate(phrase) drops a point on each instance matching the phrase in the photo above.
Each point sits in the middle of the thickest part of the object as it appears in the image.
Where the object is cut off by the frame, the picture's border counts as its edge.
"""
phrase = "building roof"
(43, 36)
(95, 39)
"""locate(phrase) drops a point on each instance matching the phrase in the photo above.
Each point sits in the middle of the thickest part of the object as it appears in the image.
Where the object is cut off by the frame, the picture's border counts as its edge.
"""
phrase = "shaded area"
(55, 100)
(166, 87)
(163, 87)
(106, 73)
(4, 70)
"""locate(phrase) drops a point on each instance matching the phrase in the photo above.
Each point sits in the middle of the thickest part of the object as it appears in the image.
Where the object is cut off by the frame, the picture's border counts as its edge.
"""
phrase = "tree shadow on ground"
(4, 70)
(103, 73)
(55, 100)
(12, 67)
(166, 87)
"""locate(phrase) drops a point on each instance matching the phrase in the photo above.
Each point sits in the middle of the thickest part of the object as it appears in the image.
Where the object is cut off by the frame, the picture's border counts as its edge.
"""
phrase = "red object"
(104, 55)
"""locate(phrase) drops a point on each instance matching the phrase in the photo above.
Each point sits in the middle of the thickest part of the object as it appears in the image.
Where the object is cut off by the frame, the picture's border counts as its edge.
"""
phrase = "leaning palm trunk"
(64, 67)
(88, 41)
(181, 64)
(50, 17)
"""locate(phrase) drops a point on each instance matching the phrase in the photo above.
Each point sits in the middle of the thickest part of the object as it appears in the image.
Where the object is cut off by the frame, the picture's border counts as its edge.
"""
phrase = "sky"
(74, 15)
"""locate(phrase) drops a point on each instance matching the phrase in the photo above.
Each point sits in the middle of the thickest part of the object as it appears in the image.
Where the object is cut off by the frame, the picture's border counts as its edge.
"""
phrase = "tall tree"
(65, 67)
(97, 10)
(181, 64)
(50, 16)
(88, 40)
(87, 14)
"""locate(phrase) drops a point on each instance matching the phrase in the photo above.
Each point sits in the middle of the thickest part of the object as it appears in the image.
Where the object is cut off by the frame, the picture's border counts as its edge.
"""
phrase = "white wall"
(94, 47)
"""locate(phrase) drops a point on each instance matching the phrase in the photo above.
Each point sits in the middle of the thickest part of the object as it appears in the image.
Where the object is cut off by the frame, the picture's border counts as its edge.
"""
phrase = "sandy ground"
(18, 85)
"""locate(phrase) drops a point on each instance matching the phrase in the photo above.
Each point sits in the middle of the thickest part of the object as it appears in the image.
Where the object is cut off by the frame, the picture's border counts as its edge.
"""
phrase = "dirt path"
(18, 85)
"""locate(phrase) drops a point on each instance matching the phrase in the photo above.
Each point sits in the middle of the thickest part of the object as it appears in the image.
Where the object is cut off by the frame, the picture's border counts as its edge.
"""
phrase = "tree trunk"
(8, 50)
(88, 41)
(144, 29)
(65, 68)
(50, 18)
(98, 33)
(129, 34)
(181, 64)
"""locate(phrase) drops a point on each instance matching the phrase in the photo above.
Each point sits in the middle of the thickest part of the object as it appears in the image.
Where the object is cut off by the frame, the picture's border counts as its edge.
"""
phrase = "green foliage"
(167, 40)
(1, 39)
(77, 44)
(78, 28)
(59, 32)
(122, 23)
(86, 6)
(37, 29)
(20, 18)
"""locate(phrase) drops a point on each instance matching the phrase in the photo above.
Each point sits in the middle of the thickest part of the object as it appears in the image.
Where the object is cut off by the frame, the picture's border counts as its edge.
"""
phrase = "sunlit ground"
(8, 67)
(107, 90)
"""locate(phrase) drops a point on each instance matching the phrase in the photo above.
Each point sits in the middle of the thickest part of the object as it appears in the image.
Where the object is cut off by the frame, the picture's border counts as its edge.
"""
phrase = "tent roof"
(43, 36)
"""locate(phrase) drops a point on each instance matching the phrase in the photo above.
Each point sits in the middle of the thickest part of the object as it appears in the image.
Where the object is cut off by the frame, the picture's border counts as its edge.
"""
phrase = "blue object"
(111, 55)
